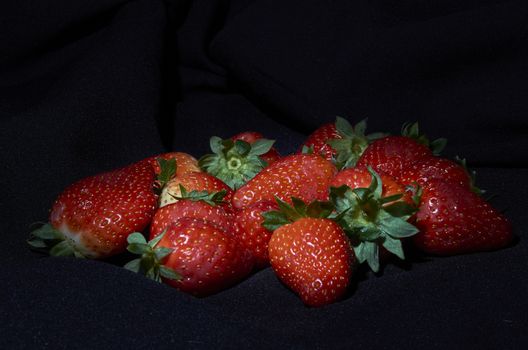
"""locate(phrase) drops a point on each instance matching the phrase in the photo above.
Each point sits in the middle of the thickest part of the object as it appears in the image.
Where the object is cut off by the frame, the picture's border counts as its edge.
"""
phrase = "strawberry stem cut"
(235, 162)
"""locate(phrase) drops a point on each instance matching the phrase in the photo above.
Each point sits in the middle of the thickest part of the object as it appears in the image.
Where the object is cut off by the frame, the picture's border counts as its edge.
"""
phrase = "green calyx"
(150, 264)
(371, 220)
(287, 213)
(235, 162)
(352, 143)
(412, 130)
(167, 172)
(211, 198)
(49, 240)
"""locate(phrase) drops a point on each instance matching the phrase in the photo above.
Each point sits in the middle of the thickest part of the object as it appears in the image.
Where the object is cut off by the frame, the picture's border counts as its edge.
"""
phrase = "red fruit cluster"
(344, 199)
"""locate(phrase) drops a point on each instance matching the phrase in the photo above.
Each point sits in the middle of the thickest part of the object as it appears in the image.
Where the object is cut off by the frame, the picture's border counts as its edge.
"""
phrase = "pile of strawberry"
(345, 198)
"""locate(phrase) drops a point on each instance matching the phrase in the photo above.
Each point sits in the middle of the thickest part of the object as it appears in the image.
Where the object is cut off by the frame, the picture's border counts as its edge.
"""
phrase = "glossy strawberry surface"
(305, 176)
(313, 258)
(97, 213)
(454, 220)
(208, 259)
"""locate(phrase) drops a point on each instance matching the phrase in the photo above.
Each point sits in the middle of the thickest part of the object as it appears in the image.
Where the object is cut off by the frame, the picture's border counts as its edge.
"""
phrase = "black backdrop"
(89, 86)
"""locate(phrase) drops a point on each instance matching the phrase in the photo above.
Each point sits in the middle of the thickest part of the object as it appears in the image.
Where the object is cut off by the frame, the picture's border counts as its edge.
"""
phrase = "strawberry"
(393, 154)
(93, 217)
(185, 162)
(374, 212)
(340, 142)
(362, 178)
(195, 204)
(306, 176)
(236, 161)
(252, 234)
(441, 169)
(194, 181)
(454, 220)
(251, 137)
(193, 256)
(311, 255)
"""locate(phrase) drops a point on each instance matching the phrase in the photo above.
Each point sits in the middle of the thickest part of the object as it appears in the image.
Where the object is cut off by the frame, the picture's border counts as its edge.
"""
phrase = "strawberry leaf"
(167, 171)
(274, 219)
(395, 226)
(169, 273)
(394, 246)
(137, 238)
(133, 265)
(63, 248)
(412, 131)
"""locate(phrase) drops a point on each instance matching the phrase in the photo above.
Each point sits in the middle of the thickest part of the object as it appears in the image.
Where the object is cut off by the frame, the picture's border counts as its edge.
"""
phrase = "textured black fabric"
(90, 86)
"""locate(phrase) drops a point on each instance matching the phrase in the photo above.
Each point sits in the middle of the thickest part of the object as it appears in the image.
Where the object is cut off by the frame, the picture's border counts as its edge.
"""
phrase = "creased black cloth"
(87, 87)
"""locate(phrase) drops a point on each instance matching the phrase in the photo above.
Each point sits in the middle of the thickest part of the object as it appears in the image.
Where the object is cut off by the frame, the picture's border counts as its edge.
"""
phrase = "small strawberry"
(374, 212)
(311, 255)
(340, 142)
(93, 217)
(252, 234)
(194, 181)
(235, 161)
(454, 220)
(392, 154)
(193, 256)
(195, 204)
(306, 176)
(185, 163)
(251, 137)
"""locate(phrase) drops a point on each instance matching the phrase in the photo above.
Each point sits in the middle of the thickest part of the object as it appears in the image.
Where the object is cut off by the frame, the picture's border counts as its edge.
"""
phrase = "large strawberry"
(340, 142)
(374, 211)
(195, 204)
(193, 256)
(93, 217)
(311, 255)
(306, 176)
(251, 137)
(235, 161)
(454, 220)
(252, 234)
(193, 181)
(393, 154)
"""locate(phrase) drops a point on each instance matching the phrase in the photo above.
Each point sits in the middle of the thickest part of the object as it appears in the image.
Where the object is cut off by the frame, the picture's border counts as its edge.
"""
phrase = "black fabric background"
(89, 86)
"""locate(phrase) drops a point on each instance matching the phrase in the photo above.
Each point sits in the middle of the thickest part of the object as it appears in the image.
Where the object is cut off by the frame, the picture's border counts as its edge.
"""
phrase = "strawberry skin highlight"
(305, 176)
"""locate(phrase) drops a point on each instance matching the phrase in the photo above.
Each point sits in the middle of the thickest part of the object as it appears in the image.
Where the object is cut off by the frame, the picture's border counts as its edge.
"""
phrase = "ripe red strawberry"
(185, 163)
(440, 169)
(193, 256)
(312, 256)
(393, 154)
(340, 142)
(236, 161)
(93, 217)
(362, 178)
(194, 181)
(251, 137)
(306, 176)
(252, 234)
(318, 140)
(197, 208)
(454, 220)
(374, 210)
